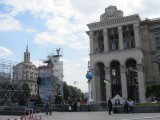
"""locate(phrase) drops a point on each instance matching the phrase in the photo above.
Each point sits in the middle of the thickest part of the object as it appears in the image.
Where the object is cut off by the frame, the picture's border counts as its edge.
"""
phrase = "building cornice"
(113, 21)
(116, 51)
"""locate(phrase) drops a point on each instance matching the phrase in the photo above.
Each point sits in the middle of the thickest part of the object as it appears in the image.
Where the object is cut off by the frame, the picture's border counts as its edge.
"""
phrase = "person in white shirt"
(78, 106)
(130, 103)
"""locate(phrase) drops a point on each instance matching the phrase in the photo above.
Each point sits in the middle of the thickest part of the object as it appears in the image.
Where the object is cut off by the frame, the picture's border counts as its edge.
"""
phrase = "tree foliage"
(153, 90)
(70, 91)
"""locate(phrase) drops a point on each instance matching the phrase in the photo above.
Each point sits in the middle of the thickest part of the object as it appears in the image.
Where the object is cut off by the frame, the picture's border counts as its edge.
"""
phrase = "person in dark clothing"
(109, 106)
(126, 106)
(88, 105)
(115, 104)
(75, 106)
(48, 109)
(119, 102)
(63, 105)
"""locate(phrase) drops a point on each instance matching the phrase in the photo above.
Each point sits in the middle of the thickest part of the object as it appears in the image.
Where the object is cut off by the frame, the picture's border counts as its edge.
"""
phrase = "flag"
(107, 82)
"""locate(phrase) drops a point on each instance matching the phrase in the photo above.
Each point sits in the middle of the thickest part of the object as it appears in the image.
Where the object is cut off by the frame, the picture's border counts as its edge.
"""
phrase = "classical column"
(108, 87)
(120, 34)
(93, 85)
(91, 42)
(141, 83)
(105, 35)
(124, 83)
(136, 35)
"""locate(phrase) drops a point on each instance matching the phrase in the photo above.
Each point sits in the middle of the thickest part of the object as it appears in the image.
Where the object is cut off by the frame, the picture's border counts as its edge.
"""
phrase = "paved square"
(92, 116)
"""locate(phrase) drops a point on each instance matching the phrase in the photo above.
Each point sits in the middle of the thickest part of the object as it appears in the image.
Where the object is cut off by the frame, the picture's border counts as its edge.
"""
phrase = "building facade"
(124, 50)
(26, 72)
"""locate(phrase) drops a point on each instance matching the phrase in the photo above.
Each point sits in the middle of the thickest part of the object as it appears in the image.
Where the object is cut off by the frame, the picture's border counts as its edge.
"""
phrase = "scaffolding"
(51, 75)
(11, 92)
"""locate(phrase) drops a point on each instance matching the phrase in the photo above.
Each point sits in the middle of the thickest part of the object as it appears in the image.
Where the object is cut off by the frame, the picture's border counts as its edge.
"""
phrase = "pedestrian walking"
(119, 102)
(48, 109)
(88, 105)
(75, 106)
(126, 107)
(109, 106)
(115, 104)
(78, 106)
(130, 105)
(63, 105)
(70, 108)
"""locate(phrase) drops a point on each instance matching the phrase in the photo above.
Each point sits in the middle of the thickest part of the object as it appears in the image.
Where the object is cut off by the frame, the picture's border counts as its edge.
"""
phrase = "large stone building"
(124, 50)
(26, 72)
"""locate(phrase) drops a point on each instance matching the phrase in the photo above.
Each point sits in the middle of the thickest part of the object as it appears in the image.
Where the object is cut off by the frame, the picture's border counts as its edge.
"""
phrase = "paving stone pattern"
(91, 116)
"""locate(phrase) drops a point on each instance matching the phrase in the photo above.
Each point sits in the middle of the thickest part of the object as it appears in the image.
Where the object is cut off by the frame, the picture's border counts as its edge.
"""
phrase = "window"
(158, 50)
(132, 43)
(157, 40)
(113, 47)
(157, 31)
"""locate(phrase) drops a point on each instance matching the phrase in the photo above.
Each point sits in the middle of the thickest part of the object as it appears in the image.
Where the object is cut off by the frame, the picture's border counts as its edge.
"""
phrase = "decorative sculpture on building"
(111, 12)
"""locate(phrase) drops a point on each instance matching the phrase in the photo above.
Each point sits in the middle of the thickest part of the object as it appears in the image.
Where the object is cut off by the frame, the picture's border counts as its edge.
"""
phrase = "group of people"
(75, 107)
(128, 106)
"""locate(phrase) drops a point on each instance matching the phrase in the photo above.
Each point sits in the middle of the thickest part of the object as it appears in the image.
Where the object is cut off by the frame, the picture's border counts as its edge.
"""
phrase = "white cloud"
(88, 7)
(34, 6)
(8, 23)
(40, 8)
(4, 51)
(71, 40)
(31, 30)
(86, 59)
(73, 72)
(65, 20)
(60, 25)
(38, 63)
(48, 38)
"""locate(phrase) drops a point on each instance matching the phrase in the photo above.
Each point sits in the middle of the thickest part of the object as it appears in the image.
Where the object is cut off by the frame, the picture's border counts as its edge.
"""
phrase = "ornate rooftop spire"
(27, 46)
(27, 55)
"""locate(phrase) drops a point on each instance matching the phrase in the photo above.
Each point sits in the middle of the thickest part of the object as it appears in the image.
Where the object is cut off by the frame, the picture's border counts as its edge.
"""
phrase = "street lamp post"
(75, 82)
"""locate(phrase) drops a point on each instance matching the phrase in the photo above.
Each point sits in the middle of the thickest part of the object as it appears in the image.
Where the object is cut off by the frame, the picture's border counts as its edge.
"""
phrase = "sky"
(49, 24)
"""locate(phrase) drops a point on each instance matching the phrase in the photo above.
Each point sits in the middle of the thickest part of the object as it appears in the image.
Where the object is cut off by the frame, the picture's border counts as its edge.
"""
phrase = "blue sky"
(49, 24)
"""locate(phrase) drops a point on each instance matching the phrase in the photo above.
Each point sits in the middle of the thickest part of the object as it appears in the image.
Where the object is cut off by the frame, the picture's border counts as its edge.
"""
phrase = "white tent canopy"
(117, 97)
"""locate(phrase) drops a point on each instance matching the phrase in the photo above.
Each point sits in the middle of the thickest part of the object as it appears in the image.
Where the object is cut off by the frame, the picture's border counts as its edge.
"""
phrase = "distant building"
(26, 72)
(126, 51)
(51, 76)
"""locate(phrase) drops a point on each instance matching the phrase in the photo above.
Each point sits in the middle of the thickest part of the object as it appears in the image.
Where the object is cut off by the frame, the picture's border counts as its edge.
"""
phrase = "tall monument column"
(120, 34)
(124, 83)
(105, 35)
(108, 87)
(136, 35)
(141, 83)
(91, 41)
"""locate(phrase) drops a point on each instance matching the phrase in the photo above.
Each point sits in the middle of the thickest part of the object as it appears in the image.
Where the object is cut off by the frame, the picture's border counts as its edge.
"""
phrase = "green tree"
(153, 90)
(66, 91)
(71, 91)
